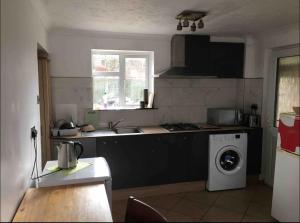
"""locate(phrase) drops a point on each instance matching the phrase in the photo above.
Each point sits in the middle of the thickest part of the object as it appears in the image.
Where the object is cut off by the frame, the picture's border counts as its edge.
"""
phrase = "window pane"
(287, 85)
(105, 92)
(105, 63)
(135, 80)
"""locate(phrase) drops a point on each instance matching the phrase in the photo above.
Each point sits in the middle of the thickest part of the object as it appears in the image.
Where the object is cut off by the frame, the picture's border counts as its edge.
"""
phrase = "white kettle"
(68, 154)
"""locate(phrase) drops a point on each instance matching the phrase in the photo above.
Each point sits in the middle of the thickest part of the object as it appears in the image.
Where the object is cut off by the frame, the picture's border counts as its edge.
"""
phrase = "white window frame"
(123, 54)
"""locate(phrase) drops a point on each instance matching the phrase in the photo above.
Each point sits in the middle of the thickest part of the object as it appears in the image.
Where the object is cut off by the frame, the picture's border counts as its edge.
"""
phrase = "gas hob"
(180, 127)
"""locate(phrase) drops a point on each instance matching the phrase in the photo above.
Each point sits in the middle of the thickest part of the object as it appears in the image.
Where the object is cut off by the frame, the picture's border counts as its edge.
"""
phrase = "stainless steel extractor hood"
(189, 57)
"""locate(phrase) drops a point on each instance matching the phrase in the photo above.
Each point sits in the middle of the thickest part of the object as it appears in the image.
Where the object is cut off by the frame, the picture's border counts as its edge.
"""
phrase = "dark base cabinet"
(254, 151)
(157, 159)
(198, 157)
(178, 149)
(144, 160)
(126, 160)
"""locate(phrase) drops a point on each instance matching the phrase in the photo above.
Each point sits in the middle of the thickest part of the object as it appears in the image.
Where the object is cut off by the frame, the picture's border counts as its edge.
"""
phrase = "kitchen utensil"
(254, 118)
(67, 125)
(146, 96)
(254, 121)
(150, 101)
(142, 104)
(54, 131)
(68, 154)
(68, 132)
(88, 128)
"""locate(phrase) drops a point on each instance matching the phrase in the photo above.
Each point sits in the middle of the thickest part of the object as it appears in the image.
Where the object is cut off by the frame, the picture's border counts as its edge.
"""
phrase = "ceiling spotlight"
(188, 16)
(179, 26)
(193, 27)
(185, 23)
(200, 24)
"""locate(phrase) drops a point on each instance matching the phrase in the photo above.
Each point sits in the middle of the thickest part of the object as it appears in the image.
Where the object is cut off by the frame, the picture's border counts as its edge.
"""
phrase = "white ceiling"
(225, 17)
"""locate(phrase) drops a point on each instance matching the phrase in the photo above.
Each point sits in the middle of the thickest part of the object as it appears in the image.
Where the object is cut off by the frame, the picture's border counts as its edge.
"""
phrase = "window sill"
(126, 109)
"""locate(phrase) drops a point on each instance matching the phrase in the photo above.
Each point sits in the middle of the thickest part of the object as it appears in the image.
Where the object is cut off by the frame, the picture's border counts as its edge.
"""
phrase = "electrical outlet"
(33, 132)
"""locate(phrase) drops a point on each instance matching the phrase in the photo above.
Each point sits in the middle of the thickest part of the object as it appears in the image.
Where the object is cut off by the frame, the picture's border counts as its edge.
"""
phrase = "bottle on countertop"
(254, 118)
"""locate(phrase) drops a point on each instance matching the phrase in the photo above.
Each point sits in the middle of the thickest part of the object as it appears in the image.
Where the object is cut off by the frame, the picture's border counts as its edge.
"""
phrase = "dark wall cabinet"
(227, 59)
(195, 55)
(143, 160)
(197, 50)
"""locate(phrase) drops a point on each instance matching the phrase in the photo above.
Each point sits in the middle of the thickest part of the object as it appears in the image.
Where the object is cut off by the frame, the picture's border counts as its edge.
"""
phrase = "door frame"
(272, 79)
(44, 100)
(270, 131)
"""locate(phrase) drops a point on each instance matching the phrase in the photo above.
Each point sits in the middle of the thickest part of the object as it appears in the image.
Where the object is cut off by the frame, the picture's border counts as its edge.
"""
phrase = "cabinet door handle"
(116, 142)
(104, 143)
(184, 138)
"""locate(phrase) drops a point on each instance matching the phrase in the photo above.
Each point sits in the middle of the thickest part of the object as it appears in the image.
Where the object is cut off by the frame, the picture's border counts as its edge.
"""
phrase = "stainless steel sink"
(97, 133)
(127, 130)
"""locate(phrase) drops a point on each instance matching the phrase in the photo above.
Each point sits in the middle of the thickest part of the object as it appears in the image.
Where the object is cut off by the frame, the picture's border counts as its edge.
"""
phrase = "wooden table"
(72, 203)
(97, 172)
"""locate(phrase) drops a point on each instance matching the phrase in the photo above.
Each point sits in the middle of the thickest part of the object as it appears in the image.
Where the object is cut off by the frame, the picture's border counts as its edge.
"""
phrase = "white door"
(270, 129)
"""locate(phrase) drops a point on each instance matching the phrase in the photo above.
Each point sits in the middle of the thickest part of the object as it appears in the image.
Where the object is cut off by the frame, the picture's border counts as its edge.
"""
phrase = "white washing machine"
(227, 161)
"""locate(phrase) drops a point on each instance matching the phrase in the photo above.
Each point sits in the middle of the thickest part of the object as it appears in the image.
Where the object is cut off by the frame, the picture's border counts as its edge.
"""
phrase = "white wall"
(71, 50)
(21, 31)
(268, 43)
(70, 68)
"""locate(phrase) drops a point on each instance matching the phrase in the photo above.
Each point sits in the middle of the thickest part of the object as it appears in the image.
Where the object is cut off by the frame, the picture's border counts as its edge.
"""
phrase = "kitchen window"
(287, 89)
(120, 77)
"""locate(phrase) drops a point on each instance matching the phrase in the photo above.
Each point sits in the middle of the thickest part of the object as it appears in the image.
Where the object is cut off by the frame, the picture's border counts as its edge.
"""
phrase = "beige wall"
(21, 31)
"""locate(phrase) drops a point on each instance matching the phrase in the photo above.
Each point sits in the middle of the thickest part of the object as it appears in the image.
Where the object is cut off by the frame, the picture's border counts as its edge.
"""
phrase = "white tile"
(198, 114)
(181, 114)
(220, 97)
(163, 97)
(214, 82)
(159, 83)
(181, 82)
(164, 115)
(187, 97)
(178, 100)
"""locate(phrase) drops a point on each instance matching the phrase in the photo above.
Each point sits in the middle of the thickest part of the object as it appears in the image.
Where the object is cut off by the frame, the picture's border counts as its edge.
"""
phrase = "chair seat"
(138, 211)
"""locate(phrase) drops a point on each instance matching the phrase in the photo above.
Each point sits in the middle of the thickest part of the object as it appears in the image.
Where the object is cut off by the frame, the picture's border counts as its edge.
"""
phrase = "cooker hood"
(189, 57)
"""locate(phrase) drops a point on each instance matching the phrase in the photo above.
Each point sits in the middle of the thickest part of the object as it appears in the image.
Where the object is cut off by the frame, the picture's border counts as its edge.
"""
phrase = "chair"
(138, 211)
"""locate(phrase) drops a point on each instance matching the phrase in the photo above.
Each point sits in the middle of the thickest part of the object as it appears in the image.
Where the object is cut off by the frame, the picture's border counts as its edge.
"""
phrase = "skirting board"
(140, 192)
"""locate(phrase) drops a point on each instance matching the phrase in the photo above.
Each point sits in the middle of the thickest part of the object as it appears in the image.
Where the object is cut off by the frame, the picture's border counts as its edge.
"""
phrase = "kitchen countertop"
(152, 130)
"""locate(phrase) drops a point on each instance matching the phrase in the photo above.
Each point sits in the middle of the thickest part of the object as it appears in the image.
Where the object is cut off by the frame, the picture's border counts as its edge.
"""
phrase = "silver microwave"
(224, 116)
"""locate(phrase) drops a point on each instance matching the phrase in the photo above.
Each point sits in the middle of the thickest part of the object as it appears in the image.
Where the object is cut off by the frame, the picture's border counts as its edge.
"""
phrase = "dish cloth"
(80, 166)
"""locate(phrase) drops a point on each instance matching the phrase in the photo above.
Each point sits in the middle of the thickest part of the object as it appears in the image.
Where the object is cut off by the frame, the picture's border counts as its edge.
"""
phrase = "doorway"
(45, 102)
(282, 95)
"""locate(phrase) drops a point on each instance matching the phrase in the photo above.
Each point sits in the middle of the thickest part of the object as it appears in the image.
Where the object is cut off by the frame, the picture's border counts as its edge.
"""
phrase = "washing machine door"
(229, 160)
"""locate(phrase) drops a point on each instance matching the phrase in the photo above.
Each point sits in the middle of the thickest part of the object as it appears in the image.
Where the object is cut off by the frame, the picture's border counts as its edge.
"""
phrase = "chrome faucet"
(112, 125)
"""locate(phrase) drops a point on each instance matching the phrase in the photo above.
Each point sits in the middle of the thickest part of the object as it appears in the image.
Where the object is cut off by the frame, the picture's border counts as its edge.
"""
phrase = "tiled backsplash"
(177, 100)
